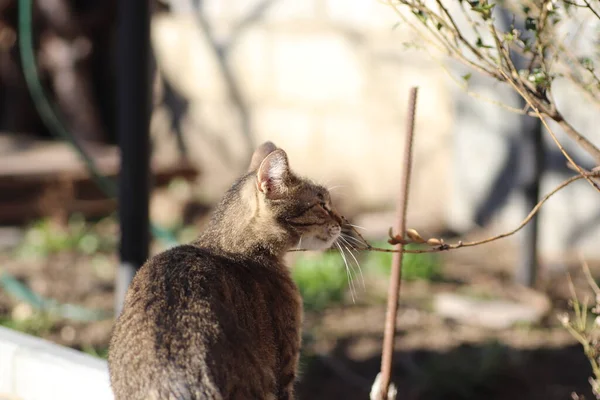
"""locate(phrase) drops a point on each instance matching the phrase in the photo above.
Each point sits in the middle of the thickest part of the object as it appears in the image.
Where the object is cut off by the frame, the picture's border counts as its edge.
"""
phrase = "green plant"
(38, 324)
(321, 278)
(100, 352)
(584, 326)
(426, 266)
(43, 238)
(520, 43)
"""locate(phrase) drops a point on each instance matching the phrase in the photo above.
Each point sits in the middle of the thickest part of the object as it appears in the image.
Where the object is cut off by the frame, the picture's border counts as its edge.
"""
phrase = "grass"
(321, 278)
(426, 266)
(99, 352)
(38, 324)
(44, 237)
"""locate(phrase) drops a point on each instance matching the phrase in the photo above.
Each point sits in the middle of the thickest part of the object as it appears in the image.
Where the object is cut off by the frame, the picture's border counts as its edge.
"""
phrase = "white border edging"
(36, 369)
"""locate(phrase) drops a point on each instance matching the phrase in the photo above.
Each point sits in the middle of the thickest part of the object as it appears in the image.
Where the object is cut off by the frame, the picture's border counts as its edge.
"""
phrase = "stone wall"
(328, 81)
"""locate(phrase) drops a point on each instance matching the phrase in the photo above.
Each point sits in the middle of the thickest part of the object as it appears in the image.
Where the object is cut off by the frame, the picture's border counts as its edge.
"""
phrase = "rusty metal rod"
(396, 275)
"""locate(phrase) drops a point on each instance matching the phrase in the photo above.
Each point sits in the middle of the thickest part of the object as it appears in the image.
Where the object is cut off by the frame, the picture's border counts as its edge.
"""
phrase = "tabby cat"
(220, 318)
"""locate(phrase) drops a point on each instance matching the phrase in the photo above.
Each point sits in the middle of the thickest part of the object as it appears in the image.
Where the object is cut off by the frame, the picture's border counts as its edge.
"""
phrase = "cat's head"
(301, 209)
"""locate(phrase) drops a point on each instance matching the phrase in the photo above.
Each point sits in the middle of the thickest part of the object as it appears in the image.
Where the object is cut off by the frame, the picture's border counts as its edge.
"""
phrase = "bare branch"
(535, 93)
(450, 49)
(438, 245)
(556, 116)
(589, 6)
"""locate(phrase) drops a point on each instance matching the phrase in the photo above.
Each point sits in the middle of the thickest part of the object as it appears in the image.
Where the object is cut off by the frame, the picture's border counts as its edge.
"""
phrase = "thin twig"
(461, 244)
(396, 273)
(450, 49)
(465, 87)
(557, 117)
(578, 328)
(590, 278)
(587, 3)
(506, 73)
(572, 3)
(571, 72)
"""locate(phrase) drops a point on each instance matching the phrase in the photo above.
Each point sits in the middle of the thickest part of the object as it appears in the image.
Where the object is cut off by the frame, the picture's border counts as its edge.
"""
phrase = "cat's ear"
(272, 175)
(260, 153)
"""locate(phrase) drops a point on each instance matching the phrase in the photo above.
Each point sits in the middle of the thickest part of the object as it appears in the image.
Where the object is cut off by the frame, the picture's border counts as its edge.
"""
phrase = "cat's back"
(195, 322)
(221, 318)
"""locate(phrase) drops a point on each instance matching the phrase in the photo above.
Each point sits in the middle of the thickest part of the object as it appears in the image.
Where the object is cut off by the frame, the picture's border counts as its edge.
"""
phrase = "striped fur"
(221, 318)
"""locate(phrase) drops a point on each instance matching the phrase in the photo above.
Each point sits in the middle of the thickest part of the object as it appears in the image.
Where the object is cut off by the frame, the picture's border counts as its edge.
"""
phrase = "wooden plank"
(45, 179)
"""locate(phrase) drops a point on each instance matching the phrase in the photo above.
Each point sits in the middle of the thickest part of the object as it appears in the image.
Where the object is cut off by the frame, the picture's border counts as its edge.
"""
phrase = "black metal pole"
(532, 161)
(133, 122)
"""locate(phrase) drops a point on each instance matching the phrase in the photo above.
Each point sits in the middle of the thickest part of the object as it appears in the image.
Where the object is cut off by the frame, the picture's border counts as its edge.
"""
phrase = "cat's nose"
(335, 230)
(336, 217)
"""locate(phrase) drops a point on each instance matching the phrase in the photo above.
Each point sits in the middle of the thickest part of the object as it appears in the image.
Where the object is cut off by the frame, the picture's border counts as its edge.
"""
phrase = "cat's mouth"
(332, 238)
(320, 241)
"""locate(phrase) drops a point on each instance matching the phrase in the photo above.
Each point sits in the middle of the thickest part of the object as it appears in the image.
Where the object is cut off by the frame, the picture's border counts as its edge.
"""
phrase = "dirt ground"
(435, 358)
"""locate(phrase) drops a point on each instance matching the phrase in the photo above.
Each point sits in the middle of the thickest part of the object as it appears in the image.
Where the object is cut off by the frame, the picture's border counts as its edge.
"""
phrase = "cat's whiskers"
(324, 182)
(348, 264)
(355, 240)
(349, 247)
(330, 189)
(356, 226)
(348, 273)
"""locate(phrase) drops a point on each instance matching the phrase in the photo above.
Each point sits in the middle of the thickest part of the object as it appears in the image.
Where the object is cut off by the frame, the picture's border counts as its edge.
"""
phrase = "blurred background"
(327, 81)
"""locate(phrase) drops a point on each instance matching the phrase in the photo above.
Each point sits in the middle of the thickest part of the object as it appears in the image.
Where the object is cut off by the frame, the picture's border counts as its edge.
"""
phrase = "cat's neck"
(238, 226)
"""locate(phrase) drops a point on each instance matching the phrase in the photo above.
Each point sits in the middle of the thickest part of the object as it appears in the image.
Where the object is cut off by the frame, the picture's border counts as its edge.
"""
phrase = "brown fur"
(220, 318)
